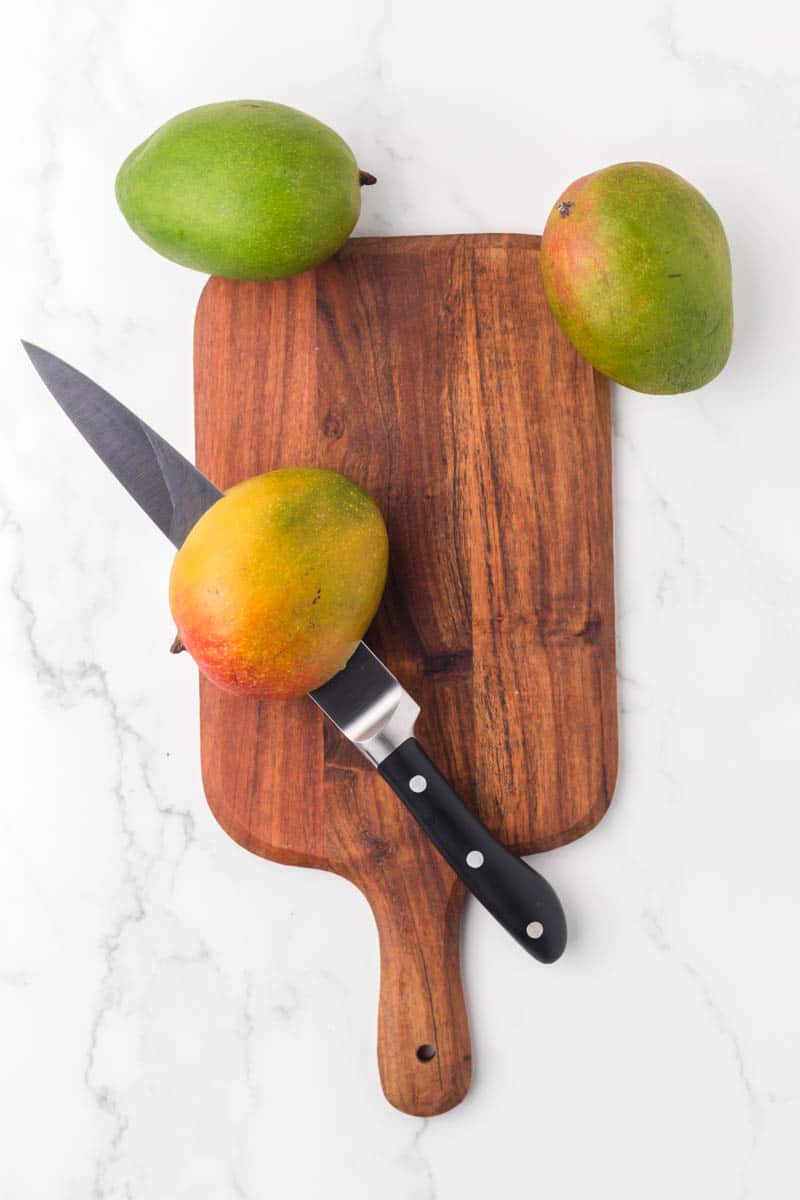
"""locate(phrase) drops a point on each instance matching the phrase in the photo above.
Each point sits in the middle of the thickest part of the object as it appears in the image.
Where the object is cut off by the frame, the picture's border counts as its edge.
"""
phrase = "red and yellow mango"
(277, 582)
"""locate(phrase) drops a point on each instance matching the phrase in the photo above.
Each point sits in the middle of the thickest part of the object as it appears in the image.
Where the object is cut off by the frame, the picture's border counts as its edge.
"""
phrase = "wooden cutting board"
(429, 370)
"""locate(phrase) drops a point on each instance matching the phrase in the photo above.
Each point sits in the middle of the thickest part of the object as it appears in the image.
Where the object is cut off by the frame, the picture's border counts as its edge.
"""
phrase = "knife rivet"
(418, 783)
(535, 929)
(475, 859)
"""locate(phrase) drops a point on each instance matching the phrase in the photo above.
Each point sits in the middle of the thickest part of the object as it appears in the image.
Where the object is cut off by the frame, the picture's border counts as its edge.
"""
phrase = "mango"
(637, 271)
(246, 189)
(276, 584)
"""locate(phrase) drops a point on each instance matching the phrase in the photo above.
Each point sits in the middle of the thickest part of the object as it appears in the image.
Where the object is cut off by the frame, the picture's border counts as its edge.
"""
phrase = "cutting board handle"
(424, 1053)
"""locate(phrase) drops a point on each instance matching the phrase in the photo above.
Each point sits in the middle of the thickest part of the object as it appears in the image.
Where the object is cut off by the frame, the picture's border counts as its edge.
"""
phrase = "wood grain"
(430, 370)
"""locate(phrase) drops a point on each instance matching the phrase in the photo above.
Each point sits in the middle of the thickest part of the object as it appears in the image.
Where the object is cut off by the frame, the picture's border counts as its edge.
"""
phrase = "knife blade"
(364, 701)
(172, 492)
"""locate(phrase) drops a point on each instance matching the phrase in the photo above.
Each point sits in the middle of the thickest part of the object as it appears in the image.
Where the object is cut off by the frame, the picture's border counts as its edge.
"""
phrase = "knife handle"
(517, 896)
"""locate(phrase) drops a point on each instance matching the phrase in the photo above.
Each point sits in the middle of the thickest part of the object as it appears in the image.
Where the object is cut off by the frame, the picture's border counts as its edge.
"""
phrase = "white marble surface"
(179, 1019)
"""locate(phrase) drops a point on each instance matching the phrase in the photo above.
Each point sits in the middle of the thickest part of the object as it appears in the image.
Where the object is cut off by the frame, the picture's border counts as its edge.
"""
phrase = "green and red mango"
(637, 271)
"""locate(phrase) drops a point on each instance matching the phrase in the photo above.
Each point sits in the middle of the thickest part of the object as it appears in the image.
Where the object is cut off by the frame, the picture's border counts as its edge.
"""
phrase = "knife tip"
(36, 354)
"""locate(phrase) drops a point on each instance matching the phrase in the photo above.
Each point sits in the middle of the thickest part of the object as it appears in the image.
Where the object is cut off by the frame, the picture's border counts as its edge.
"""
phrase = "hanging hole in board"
(426, 1052)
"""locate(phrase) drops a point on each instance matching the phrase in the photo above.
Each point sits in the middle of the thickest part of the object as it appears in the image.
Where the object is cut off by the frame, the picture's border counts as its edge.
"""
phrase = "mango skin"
(637, 271)
(246, 189)
(277, 582)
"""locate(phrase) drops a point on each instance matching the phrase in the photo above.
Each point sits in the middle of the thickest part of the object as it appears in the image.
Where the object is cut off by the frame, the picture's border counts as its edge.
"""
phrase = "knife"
(364, 700)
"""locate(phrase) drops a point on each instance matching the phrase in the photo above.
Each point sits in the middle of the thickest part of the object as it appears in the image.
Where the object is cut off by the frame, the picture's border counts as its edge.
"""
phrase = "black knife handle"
(516, 895)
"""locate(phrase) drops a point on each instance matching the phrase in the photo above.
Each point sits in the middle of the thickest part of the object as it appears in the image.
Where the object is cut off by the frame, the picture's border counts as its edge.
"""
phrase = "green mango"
(246, 189)
(637, 271)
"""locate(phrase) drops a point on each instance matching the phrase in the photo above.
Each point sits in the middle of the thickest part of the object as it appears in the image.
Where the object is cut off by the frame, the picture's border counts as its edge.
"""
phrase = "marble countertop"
(179, 1019)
